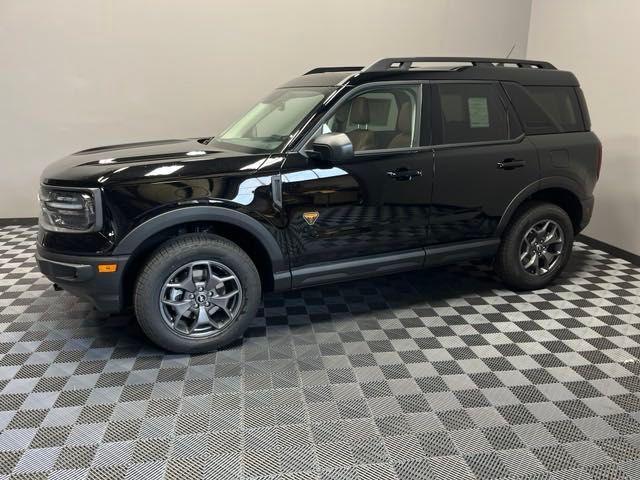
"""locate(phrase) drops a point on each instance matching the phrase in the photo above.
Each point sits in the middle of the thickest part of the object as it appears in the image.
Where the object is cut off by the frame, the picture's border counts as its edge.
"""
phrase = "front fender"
(202, 213)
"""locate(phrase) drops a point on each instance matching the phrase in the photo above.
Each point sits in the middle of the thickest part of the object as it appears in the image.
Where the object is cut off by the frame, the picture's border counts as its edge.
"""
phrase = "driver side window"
(377, 119)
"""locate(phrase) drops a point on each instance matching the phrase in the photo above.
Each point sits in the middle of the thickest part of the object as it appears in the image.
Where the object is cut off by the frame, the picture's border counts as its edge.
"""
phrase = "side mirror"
(332, 148)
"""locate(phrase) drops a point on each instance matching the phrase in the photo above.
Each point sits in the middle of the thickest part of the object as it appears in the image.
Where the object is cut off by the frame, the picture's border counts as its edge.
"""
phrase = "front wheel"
(197, 293)
(535, 248)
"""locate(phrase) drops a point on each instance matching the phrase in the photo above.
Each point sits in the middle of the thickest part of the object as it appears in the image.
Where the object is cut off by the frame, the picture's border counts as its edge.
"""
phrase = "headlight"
(70, 209)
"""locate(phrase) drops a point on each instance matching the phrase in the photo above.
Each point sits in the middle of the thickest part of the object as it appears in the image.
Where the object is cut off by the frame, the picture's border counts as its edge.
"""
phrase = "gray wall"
(598, 41)
(83, 73)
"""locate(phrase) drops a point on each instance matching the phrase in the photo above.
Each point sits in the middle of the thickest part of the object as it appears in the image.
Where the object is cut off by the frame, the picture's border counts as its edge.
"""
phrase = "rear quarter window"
(546, 109)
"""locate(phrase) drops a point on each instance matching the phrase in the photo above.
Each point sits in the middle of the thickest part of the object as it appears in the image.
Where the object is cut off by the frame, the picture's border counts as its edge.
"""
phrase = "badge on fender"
(310, 217)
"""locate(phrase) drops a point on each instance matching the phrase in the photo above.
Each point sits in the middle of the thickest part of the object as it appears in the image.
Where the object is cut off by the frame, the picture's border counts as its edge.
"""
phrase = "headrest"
(360, 111)
(404, 118)
(342, 113)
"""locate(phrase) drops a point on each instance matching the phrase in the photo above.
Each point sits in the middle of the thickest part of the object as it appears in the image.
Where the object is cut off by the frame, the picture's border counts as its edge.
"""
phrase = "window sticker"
(478, 112)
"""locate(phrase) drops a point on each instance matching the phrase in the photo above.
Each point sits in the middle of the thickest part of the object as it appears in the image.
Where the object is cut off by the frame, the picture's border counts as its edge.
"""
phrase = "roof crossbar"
(333, 69)
(404, 63)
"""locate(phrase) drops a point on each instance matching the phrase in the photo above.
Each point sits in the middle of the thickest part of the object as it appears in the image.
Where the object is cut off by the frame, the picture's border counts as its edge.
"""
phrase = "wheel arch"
(561, 191)
(252, 236)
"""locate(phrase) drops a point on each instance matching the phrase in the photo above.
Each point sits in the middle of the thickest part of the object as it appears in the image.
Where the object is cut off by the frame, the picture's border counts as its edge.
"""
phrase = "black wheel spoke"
(180, 307)
(541, 247)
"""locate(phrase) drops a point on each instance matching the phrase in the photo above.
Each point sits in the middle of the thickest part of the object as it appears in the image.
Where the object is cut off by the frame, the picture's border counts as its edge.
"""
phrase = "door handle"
(511, 163)
(404, 174)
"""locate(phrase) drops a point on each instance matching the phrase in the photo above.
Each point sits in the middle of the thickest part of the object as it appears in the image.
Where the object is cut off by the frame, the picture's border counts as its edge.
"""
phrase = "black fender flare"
(564, 183)
(145, 230)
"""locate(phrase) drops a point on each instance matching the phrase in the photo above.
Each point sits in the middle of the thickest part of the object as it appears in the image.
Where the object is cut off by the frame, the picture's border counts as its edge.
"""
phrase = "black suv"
(342, 173)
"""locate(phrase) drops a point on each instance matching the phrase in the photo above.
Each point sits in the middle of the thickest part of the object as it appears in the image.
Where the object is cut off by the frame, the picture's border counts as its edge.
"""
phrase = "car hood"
(148, 161)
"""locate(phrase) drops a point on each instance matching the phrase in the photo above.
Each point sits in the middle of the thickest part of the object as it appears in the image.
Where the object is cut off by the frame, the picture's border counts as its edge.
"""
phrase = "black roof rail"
(404, 63)
(333, 69)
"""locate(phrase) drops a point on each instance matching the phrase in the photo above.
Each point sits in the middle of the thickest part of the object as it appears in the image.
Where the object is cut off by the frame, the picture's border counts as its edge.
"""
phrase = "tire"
(508, 263)
(169, 304)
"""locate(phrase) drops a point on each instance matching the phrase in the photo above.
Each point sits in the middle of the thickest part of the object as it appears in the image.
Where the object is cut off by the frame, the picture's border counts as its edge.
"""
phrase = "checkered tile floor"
(434, 374)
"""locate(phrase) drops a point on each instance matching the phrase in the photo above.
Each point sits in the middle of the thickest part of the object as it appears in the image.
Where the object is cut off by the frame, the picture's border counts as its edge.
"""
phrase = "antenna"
(511, 51)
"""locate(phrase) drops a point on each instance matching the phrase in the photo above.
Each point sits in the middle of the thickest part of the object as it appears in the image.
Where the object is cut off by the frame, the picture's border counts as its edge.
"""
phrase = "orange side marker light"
(107, 267)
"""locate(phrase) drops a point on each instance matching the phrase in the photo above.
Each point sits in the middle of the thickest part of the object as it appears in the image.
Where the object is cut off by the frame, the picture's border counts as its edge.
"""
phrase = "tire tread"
(183, 245)
(509, 271)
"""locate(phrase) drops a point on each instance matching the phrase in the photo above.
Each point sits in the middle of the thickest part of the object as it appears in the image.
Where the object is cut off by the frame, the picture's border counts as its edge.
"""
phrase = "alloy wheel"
(542, 247)
(201, 299)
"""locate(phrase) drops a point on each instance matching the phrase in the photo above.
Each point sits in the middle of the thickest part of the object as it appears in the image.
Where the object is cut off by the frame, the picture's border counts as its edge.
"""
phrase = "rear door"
(482, 160)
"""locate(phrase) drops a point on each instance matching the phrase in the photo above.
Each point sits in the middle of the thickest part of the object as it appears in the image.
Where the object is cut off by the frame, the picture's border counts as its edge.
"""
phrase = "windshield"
(269, 124)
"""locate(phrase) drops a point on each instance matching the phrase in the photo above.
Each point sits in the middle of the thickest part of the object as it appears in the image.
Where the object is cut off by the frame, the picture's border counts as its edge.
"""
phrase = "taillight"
(599, 160)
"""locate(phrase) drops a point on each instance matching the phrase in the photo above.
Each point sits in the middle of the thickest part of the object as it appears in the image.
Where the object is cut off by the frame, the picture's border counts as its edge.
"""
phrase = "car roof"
(525, 72)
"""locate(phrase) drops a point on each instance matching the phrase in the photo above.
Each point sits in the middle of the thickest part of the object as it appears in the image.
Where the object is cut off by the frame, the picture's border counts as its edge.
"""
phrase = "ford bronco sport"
(339, 174)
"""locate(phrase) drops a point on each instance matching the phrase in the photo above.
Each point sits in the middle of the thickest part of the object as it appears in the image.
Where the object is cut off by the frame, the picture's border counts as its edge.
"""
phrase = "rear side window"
(546, 109)
(469, 112)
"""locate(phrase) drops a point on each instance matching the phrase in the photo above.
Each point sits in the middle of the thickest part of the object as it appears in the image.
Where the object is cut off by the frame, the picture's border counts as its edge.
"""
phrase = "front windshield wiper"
(269, 138)
(274, 137)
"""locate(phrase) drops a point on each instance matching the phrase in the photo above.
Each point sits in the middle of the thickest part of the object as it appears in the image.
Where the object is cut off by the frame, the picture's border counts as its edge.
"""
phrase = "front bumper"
(79, 276)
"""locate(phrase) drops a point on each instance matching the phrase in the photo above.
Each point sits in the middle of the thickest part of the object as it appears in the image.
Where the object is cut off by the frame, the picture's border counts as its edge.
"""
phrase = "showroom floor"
(439, 374)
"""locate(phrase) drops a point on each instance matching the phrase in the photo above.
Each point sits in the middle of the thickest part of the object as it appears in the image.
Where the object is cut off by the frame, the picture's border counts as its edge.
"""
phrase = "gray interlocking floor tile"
(434, 374)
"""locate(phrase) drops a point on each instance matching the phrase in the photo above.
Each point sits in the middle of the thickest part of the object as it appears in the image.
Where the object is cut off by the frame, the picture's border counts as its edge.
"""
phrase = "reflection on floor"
(434, 374)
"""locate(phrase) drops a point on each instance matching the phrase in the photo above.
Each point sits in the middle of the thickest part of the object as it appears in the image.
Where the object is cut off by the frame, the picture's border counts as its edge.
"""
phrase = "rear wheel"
(536, 247)
(197, 293)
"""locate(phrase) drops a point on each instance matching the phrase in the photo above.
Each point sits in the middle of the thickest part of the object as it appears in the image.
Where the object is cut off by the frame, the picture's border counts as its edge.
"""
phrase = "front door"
(377, 203)
(482, 161)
